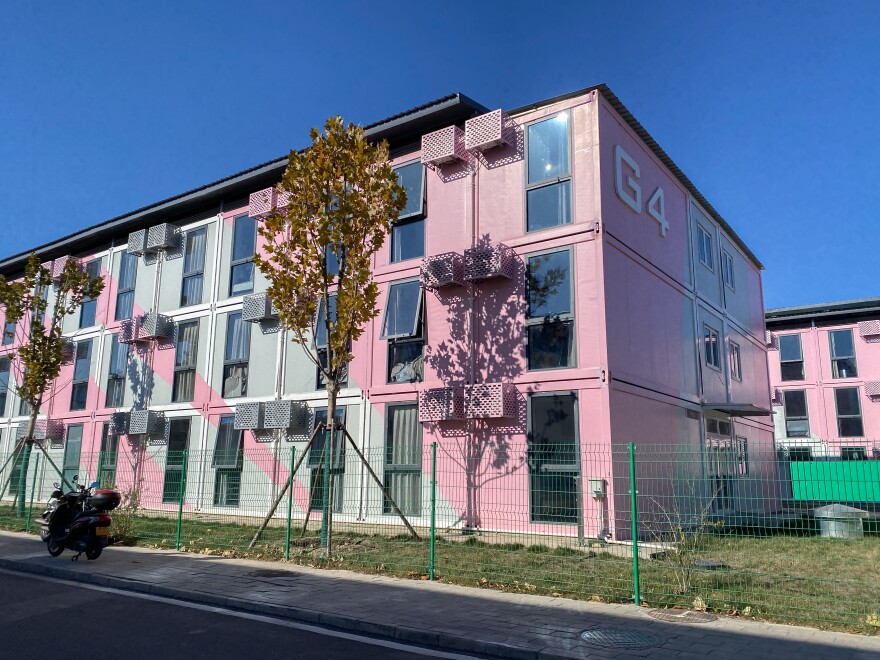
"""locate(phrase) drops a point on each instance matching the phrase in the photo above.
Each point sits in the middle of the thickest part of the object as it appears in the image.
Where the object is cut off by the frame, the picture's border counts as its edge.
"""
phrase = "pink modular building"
(555, 289)
(825, 379)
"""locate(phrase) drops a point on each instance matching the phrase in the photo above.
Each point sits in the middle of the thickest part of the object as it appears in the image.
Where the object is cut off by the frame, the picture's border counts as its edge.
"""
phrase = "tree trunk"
(25, 461)
(327, 508)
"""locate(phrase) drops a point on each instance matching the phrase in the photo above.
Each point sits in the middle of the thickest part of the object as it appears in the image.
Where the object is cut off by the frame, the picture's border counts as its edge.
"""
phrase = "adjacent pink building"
(556, 289)
(825, 378)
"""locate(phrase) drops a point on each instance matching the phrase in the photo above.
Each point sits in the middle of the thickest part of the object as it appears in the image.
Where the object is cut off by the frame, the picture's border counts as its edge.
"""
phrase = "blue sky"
(106, 107)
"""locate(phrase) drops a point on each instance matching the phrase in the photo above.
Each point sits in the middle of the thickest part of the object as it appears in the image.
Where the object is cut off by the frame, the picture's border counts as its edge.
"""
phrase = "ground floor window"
(403, 459)
(227, 462)
(109, 457)
(72, 449)
(337, 464)
(553, 456)
(178, 441)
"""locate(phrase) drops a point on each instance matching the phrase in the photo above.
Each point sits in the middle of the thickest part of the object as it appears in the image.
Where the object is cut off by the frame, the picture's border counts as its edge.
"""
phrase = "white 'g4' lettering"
(631, 193)
(657, 210)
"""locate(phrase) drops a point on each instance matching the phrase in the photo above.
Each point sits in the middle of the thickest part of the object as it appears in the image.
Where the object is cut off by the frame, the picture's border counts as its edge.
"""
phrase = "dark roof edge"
(841, 308)
(658, 151)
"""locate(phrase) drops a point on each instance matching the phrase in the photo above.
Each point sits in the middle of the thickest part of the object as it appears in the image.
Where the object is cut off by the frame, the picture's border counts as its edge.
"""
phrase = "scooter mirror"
(56, 485)
(75, 478)
(94, 484)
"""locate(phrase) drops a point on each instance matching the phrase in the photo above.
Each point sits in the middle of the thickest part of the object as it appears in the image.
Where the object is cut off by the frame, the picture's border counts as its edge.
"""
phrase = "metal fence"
(715, 526)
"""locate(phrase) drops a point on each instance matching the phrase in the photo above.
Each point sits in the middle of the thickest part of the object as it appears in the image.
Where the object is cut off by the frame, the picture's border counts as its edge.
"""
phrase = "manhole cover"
(619, 638)
(269, 573)
(682, 616)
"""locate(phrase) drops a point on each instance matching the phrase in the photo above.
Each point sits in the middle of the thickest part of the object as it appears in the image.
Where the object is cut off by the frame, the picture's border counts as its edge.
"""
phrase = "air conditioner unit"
(154, 326)
(137, 242)
(285, 415)
(486, 262)
(869, 328)
(263, 202)
(119, 423)
(490, 401)
(162, 237)
(257, 307)
(128, 331)
(771, 341)
(248, 416)
(44, 429)
(872, 388)
(60, 264)
(493, 129)
(441, 270)
(146, 422)
(444, 146)
(441, 404)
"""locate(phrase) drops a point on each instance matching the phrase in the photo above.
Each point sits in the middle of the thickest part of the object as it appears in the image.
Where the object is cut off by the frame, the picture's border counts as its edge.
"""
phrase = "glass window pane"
(184, 386)
(87, 314)
(550, 345)
(320, 440)
(404, 441)
(238, 339)
(8, 333)
(548, 146)
(118, 357)
(548, 206)
(191, 293)
(127, 271)
(842, 344)
(553, 431)
(242, 279)
(178, 439)
(72, 448)
(847, 401)
(187, 344)
(321, 321)
(408, 240)
(244, 241)
(82, 365)
(405, 361)
(332, 261)
(194, 254)
(549, 284)
(235, 379)
(797, 428)
(553, 497)
(795, 403)
(850, 427)
(402, 309)
(844, 368)
(790, 347)
(228, 445)
(124, 305)
(410, 177)
(792, 371)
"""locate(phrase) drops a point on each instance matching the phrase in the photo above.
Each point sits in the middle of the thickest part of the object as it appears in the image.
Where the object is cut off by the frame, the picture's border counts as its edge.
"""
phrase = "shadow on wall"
(481, 446)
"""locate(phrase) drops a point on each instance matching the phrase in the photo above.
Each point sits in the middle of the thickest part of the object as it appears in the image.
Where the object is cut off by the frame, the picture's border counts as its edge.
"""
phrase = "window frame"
(109, 457)
(337, 460)
(129, 289)
(188, 367)
(236, 362)
(705, 254)
(728, 274)
(322, 302)
(835, 369)
(78, 383)
(175, 467)
(9, 330)
(859, 416)
(734, 353)
(402, 341)
(573, 469)
(90, 301)
(854, 453)
(414, 217)
(200, 272)
(781, 340)
(4, 391)
(710, 330)
(416, 316)
(243, 260)
(113, 378)
(796, 418)
(65, 461)
(567, 318)
(412, 469)
(552, 181)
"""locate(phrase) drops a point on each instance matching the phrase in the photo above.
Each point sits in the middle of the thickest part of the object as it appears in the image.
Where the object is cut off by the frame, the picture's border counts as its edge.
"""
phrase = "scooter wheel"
(45, 535)
(93, 552)
(54, 547)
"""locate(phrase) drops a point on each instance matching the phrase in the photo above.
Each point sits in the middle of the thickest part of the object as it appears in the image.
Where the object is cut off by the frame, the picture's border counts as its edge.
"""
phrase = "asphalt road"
(48, 619)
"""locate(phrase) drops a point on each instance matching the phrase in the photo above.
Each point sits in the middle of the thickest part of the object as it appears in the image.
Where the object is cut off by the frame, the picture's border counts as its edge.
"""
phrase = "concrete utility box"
(840, 521)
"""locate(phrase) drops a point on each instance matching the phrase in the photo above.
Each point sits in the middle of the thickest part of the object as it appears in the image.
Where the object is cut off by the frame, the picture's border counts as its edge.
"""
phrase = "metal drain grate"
(269, 573)
(682, 616)
(619, 638)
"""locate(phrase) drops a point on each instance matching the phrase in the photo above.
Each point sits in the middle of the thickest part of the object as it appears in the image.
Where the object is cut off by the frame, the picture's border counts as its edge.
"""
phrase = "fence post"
(33, 490)
(433, 542)
(289, 503)
(182, 498)
(634, 502)
(325, 490)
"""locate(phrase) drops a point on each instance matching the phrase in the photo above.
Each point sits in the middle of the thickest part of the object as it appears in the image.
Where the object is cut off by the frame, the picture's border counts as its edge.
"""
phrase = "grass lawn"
(825, 583)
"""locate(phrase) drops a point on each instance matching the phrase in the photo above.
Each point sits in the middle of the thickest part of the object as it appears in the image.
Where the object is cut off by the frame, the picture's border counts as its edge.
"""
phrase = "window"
(800, 454)
(15, 474)
(81, 367)
(39, 316)
(193, 267)
(24, 408)
(185, 362)
(849, 412)
(178, 442)
(321, 320)
(8, 334)
(797, 422)
(742, 456)
(116, 373)
(236, 357)
(321, 382)
(853, 454)
(712, 347)
(548, 178)
(727, 270)
(244, 244)
(550, 318)
(4, 384)
(337, 461)
(403, 459)
(108, 458)
(791, 357)
(227, 463)
(72, 449)
(843, 354)
(128, 264)
(736, 372)
(89, 306)
(704, 245)
(403, 327)
(408, 233)
(553, 457)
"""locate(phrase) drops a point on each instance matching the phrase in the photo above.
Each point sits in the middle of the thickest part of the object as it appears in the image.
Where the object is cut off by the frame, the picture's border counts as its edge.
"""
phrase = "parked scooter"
(78, 521)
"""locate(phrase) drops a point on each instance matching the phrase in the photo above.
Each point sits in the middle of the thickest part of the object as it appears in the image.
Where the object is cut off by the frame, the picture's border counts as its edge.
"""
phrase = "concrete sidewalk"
(477, 621)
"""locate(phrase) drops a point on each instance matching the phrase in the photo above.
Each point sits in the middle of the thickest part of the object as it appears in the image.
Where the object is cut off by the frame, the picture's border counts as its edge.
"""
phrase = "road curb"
(403, 634)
